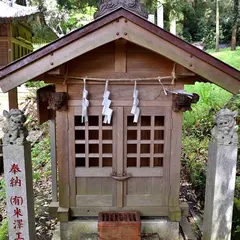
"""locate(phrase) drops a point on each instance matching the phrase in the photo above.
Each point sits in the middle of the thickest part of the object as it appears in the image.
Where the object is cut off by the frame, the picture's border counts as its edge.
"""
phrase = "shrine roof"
(151, 37)
(9, 13)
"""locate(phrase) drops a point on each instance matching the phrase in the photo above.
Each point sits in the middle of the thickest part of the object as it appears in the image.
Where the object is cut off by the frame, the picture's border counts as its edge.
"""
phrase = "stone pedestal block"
(87, 229)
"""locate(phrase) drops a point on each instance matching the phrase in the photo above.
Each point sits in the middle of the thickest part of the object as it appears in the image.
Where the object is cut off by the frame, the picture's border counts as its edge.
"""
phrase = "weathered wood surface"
(130, 28)
(63, 154)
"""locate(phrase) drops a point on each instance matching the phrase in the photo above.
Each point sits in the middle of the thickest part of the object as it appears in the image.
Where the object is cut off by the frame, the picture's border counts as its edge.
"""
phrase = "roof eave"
(100, 22)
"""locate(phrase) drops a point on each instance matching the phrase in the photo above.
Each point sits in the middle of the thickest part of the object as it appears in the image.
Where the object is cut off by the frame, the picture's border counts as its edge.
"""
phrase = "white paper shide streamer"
(135, 109)
(107, 111)
(85, 103)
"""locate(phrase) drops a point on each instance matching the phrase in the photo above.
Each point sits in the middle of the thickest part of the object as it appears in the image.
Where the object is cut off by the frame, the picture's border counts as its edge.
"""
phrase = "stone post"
(221, 174)
(18, 177)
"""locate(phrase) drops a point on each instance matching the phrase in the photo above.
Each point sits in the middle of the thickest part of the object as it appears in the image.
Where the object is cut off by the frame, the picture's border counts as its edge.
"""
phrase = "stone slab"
(87, 229)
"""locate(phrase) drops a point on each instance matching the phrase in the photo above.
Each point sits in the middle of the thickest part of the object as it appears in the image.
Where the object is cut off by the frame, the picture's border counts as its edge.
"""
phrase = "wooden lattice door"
(121, 165)
(95, 151)
(146, 157)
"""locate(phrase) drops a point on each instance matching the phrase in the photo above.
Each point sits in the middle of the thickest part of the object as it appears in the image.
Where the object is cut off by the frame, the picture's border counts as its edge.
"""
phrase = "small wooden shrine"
(123, 154)
(15, 36)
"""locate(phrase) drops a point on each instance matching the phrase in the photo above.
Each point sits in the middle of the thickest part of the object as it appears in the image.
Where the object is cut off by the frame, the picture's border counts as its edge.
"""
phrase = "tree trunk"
(235, 25)
(217, 25)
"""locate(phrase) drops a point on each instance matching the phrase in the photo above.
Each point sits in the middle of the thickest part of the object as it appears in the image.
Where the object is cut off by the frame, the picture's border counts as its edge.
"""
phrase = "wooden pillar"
(62, 158)
(53, 159)
(13, 99)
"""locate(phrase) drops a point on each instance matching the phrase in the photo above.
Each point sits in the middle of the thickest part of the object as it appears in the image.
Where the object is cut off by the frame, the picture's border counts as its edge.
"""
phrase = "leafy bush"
(196, 133)
(35, 84)
(2, 189)
(4, 230)
(197, 127)
(194, 159)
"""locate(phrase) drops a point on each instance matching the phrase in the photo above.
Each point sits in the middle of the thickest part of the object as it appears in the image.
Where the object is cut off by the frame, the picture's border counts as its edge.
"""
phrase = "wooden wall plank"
(120, 55)
(92, 200)
(121, 92)
(4, 53)
(144, 211)
(145, 200)
(121, 103)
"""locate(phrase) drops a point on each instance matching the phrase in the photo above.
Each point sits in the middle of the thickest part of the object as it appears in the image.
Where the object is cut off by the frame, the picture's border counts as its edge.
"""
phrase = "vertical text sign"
(17, 168)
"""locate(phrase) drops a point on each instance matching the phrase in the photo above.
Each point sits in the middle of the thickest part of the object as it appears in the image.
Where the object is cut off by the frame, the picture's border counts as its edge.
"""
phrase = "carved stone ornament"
(107, 6)
(14, 130)
(57, 101)
(225, 130)
(182, 102)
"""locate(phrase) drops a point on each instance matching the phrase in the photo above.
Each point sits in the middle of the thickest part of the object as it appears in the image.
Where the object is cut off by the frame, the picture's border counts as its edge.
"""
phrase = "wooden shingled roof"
(119, 24)
(9, 13)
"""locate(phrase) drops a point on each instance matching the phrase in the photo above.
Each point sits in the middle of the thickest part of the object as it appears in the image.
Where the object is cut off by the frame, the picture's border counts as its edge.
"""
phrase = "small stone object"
(14, 130)
(225, 130)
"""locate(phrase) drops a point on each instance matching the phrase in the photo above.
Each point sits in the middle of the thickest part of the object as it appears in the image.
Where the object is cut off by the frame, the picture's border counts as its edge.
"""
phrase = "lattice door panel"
(147, 149)
(98, 151)
(94, 159)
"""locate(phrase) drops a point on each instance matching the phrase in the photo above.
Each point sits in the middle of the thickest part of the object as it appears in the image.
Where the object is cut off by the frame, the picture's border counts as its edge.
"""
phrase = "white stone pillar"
(221, 175)
(160, 14)
(151, 18)
(18, 177)
(173, 26)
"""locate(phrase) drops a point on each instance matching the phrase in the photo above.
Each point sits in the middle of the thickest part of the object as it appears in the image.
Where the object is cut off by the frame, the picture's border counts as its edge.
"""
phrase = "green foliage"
(230, 57)
(41, 159)
(199, 121)
(35, 84)
(194, 158)
(2, 189)
(236, 217)
(4, 230)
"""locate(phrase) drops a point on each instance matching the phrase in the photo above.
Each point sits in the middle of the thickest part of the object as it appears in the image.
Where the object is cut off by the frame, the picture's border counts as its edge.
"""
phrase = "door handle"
(120, 177)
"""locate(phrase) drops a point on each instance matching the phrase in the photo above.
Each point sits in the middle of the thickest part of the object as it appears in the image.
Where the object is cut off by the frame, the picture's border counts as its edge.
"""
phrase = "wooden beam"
(13, 99)
(144, 38)
(120, 55)
(57, 71)
(67, 53)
